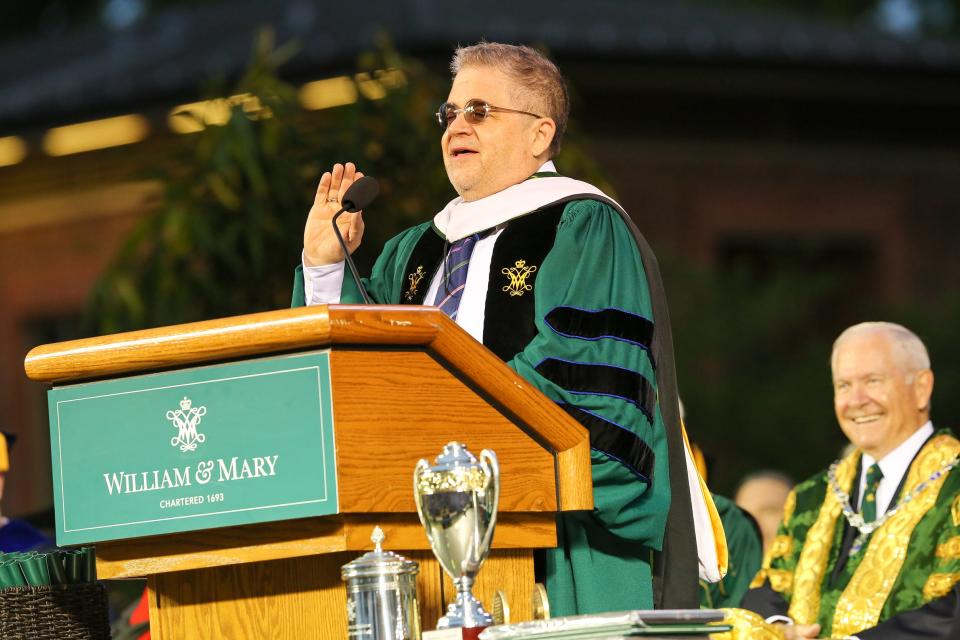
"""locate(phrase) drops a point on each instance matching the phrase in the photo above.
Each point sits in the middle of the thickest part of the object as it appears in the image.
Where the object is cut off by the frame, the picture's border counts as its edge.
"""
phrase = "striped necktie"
(868, 507)
(454, 278)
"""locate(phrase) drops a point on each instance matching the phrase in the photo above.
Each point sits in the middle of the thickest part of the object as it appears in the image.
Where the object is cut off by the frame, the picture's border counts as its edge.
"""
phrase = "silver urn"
(381, 595)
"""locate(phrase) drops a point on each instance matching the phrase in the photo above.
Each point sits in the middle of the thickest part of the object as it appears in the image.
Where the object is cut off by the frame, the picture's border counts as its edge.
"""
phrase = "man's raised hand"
(320, 246)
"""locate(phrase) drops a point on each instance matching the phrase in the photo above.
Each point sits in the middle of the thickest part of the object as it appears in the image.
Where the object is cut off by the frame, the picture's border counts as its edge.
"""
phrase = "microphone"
(360, 194)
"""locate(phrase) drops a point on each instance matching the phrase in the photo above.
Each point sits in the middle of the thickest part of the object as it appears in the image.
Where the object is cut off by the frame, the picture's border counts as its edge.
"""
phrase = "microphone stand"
(346, 255)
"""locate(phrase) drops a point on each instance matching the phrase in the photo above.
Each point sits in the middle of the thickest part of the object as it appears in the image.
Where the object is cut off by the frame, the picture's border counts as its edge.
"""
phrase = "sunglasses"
(475, 112)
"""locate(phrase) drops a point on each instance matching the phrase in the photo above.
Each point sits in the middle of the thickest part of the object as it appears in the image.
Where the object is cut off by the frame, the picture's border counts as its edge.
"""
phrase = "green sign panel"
(193, 449)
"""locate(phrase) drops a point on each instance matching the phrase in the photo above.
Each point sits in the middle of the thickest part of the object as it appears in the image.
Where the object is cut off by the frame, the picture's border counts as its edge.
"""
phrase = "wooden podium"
(405, 381)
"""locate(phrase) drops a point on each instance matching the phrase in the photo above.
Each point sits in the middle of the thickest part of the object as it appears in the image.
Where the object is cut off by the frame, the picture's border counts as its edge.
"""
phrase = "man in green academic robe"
(551, 275)
(870, 548)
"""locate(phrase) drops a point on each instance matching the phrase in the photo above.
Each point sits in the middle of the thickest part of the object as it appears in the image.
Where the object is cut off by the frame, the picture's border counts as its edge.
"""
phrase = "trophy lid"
(455, 455)
(378, 562)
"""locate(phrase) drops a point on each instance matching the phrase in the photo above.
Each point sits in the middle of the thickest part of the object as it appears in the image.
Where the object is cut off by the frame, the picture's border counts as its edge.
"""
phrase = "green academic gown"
(582, 335)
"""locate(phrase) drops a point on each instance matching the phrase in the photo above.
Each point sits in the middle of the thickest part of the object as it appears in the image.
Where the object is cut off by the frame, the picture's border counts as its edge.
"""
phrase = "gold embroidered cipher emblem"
(414, 279)
(518, 278)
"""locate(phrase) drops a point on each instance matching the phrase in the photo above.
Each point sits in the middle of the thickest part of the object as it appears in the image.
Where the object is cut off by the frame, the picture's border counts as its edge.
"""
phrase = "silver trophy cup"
(457, 502)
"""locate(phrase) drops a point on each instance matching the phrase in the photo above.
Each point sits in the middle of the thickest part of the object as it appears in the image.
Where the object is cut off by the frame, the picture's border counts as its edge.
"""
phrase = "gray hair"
(908, 350)
(767, 474)
(537, 79)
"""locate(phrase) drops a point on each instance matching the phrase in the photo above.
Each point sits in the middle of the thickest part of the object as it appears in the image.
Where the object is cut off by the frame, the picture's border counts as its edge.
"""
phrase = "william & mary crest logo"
(185, 420)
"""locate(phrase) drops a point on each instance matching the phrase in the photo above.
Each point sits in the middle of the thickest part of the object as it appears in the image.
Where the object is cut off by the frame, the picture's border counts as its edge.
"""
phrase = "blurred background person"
(762, 494)
(15, 534)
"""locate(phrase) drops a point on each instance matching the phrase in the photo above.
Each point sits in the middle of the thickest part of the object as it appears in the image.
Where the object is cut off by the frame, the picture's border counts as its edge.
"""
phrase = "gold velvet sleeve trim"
(812, 564)
(862, 601)
(939, 585)
(789, 506)
(780, 580)
(759, 579)
(747, 625)
(781, 546)
(949, 550)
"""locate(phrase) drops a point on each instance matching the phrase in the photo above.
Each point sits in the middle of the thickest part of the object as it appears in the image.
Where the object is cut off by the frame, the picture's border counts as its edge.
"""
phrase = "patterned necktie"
(868, 507)
(454, 278)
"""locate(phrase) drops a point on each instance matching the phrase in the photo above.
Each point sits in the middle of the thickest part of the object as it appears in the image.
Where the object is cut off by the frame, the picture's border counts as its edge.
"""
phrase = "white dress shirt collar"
(894, 466)
(895, 463)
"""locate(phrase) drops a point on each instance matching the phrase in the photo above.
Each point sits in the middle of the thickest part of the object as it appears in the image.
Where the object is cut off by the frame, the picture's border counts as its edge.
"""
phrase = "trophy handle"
(491, 468)
(418, 471)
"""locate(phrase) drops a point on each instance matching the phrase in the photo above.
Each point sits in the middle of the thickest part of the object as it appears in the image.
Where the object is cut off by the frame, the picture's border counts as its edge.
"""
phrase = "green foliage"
(753, 370)
(222, 239)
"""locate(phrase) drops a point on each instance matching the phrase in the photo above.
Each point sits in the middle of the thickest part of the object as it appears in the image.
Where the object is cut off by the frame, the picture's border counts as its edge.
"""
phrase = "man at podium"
(551, 275)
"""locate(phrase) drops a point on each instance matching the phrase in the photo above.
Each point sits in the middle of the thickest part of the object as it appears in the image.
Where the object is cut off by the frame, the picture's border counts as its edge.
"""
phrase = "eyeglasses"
(475, 112)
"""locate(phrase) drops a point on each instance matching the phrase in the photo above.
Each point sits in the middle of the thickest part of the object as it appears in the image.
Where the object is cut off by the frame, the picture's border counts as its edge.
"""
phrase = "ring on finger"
(331, 199)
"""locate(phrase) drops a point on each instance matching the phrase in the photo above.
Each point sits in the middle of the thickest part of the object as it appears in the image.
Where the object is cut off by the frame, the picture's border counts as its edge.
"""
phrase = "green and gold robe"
(912, 560)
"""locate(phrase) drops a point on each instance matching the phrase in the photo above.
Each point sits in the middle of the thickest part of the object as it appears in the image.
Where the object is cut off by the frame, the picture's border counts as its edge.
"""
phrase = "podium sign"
(193, 449)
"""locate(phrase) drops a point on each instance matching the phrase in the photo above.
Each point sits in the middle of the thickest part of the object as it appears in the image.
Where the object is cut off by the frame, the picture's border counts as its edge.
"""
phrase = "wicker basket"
(58, 612)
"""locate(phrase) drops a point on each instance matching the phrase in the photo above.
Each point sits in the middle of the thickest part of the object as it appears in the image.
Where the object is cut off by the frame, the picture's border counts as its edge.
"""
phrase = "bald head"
(762, 494)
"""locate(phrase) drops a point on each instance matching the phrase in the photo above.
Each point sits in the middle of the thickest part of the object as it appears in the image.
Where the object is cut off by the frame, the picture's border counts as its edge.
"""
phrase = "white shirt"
(894, 466)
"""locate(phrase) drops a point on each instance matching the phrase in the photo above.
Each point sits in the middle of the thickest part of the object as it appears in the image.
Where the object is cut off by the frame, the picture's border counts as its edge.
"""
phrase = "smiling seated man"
(551, 275)
(870, 548)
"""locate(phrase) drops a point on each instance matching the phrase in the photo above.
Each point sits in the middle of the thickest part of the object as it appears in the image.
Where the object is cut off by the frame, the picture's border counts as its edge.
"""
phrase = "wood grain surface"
(395, 408)
(301, 599)
(430, 596)
(305, 598)
(179, 345)
(182, 552)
